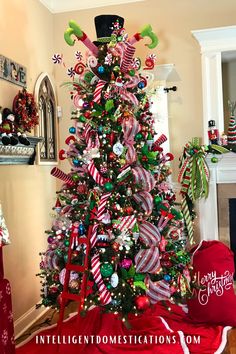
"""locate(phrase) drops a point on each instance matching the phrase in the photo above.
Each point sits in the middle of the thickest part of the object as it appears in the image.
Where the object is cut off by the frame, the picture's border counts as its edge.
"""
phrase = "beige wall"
(28, 33)
(27, 193)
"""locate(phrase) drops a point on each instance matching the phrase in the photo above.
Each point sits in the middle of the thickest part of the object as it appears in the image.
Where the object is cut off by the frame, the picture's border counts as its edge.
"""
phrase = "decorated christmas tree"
(117, 192)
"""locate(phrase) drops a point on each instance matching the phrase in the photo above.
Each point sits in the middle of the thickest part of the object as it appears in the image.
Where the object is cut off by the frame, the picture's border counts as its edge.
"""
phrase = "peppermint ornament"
(118, 149)
(57, 59)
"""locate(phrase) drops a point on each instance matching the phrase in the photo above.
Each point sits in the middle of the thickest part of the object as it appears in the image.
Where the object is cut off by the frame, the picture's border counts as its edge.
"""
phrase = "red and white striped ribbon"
(145, 199)
(93, 237)
(130, 128)
(183, 169)
(148, 260)
(105, 296)
(56, 172)
(144, 178)
(127, 58)
(91, 137)
(98, 91)
(158, 291)
(102, 206)
(93, 171)
(126, 222)
(149, 233)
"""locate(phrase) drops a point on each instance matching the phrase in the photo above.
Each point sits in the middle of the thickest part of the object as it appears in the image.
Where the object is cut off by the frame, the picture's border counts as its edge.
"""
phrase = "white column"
(212, 92)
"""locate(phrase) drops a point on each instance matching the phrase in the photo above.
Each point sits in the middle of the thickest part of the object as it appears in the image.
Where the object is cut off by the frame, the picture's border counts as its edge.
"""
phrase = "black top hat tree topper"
(105, 26)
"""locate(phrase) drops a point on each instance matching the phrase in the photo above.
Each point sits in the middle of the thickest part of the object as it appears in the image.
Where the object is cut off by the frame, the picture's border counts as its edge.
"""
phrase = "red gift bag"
(7, 344)
(215, 301)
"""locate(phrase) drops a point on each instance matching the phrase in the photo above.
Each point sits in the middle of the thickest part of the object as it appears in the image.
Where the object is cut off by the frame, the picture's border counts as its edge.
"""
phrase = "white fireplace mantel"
(224, 171)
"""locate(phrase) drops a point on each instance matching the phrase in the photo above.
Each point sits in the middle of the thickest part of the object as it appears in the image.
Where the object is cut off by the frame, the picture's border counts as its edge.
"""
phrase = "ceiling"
(57, 6)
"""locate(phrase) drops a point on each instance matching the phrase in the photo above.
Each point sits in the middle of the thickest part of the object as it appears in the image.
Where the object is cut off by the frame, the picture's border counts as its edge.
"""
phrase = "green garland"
(194, 176)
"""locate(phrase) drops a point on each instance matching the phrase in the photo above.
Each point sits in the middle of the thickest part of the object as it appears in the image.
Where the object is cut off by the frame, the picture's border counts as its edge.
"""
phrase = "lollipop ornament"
(75, 30)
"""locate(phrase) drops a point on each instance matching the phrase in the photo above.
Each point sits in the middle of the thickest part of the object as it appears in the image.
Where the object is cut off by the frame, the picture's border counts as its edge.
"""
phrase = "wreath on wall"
(25, 111)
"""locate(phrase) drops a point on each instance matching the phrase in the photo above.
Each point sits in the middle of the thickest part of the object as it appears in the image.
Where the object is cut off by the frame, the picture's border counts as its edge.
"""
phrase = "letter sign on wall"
(11, 71)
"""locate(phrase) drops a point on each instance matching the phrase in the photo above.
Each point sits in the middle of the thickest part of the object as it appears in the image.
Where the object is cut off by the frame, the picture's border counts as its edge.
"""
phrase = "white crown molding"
(58, 6)
(216, 39)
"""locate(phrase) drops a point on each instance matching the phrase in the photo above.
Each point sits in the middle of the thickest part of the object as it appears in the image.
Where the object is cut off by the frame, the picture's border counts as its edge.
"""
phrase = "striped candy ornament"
(144, 178)
(126, 222)
(149, 234)
(102, 206)
(158, 291)
(127, 58)
(145, 199)
(148, 260)
(93, 237)
(56, 172)
(104, 294)
(98, 91)
(93, 171)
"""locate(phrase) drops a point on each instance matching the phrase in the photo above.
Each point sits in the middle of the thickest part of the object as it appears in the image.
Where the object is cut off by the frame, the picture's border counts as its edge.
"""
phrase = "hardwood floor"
(52, 316)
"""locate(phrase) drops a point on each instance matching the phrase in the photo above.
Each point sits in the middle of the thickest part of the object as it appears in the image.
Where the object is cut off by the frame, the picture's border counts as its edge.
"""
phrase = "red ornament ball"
(142, 302)
(56, 277)
(115, 246)
(112, 156)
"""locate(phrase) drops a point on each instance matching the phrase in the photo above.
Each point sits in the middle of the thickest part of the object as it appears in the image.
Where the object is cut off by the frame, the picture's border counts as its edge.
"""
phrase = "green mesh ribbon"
(194, 179)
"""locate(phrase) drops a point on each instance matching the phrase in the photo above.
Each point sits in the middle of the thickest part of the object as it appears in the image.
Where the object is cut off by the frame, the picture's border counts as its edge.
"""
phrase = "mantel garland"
(194, 177)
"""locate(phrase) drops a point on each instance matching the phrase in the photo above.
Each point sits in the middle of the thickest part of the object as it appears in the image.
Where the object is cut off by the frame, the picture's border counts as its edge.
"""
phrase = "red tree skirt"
(158, 330)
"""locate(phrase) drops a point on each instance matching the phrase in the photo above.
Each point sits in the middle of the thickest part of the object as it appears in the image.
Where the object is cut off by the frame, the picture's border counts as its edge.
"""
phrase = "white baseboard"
(28, 319)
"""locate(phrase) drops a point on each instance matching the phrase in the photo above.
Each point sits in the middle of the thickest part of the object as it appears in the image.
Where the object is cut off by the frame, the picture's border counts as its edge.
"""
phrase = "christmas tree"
(118, 185)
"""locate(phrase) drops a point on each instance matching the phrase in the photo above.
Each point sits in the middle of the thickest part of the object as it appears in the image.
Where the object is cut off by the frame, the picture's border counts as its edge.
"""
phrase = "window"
(47, 130)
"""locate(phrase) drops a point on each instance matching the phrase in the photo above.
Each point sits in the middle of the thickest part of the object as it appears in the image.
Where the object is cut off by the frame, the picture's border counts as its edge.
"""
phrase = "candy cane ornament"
(104, 294)
(97, 95)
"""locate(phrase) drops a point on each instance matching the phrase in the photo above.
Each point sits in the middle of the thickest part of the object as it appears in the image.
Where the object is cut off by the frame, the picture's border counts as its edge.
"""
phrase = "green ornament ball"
(66, 243)
(75, 177)
(214, 159)
(116, 68)
(138, 136)
(88, 76)
(106, 270)
(109, 186)
(58, 252)
(132, 72)
(157, 199)
(109, 286)
(119, 128)
(82, 119)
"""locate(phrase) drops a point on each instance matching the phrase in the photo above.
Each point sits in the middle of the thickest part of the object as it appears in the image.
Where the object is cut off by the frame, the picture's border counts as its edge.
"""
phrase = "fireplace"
(217, 213)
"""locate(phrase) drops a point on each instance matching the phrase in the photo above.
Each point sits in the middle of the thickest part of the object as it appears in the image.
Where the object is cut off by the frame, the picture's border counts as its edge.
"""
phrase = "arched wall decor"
(48, 126)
